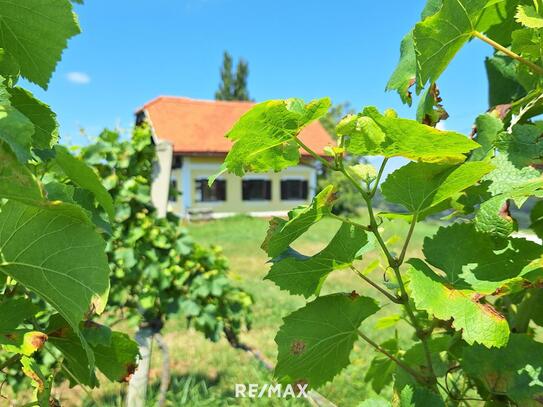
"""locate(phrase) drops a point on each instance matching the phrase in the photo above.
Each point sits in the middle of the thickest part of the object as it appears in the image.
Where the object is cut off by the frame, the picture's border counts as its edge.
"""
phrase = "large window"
(294, 190)
(213, 193)
(256, 190)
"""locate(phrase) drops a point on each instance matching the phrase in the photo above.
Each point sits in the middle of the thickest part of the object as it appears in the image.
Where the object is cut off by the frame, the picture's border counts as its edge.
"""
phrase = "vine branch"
(391, 297)
(405, 367)
(536, 68)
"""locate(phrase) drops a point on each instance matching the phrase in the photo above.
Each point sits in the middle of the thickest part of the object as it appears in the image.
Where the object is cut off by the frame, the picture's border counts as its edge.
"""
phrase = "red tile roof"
(199, 126)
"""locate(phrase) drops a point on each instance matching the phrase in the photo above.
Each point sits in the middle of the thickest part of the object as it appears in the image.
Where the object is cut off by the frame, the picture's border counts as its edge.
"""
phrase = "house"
(191, 146)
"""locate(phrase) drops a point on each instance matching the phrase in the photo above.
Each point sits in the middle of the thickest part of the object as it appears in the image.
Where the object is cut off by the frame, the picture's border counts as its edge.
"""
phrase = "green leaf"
(523, 145)
(514, 371)
(403, 76)
(41, 116)
(16, 130)
(43, 385)
(438, 38)
(509, 179)
(503, 84)
(478, 322)
(36, 32)
(16, 180)
(430, 110)
(421, 186)
(54, 252)
(381, 370)
(117, 361)
(488, 127)
(14, 311)
(477, 261)
(536, 218)
(494, 217)
(83, 176)
(372, 133)
(303, 275)
(528, 17)
(264, 137)
(315, 341)
(282, 233)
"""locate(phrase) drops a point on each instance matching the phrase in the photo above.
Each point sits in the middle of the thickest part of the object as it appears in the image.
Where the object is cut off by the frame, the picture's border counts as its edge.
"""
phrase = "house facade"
(189, 135)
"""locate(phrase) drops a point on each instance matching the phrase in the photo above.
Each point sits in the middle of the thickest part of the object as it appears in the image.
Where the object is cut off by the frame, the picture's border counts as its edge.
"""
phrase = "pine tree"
(233, 88)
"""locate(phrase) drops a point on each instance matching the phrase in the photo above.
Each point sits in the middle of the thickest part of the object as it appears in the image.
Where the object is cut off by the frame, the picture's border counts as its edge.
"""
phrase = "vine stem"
(312, 153)
(395, 265)
(379, 175)
(391, 297)
(536, 68)
(380, 349)
(350, 222)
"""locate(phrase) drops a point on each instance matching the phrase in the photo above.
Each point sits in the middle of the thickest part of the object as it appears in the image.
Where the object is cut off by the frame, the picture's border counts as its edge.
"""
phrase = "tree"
(157, 269)
(472, 297)
(233, 88)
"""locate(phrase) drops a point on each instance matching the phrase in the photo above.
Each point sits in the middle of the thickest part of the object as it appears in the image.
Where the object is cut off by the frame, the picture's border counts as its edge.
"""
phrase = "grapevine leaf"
(16, 181)
(430, 110)
(35, 33)
(114, 352)
(403, 76)
(488, 127)
(43, 385)
(264, 137)
(85, 177)
(438, 38)
(507, 178)
(528, 17)
(54, 252)
(381, 370)
(305, 275)
(421, 186)
(118, 360)
(372, 133)
(476, 261)
(503, 85)
(523, 145)
(23, 341)
(282, 233)
(478, 322)
(41, 116)
(494, 218)
(315, 341)
(514, 370)
(14, 311)
(16, 130)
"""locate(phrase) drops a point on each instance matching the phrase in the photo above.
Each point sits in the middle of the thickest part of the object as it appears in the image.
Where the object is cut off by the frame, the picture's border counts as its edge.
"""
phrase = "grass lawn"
(205, 373)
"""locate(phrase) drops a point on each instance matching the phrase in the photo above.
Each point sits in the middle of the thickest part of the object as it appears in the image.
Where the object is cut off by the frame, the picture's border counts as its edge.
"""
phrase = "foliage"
(233, 87)
(157, 269)
(472, 301)
(54, 274)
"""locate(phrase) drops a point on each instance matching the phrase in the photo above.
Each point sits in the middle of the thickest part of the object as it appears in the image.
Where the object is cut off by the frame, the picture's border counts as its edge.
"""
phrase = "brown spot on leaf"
(297, 347)
(61, 332)
(38, 339)
(489, 309)
(502, 110)
(354, 295)
(505, 212)
(130, 369)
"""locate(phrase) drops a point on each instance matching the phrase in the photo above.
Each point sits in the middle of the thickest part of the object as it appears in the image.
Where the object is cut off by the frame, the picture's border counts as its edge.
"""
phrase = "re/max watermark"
(254, 390)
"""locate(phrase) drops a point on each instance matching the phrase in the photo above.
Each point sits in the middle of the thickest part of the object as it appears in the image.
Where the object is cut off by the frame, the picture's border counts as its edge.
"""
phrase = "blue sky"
(131, 51)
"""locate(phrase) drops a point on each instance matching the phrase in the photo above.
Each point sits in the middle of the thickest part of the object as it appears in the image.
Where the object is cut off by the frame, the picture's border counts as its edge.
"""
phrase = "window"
(173, 192)
(213, 193)
(256, 190)
(294, 190)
